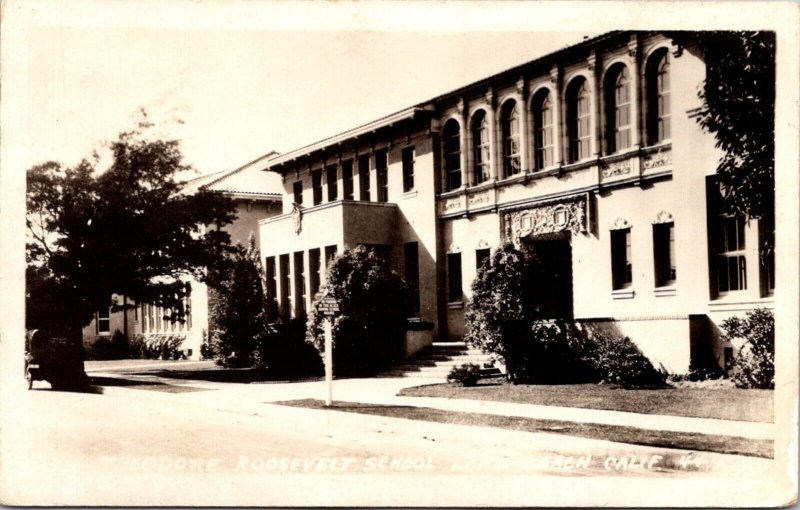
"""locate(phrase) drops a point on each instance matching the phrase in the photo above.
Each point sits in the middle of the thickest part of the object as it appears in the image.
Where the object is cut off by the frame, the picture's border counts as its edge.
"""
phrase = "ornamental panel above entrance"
(563, 216)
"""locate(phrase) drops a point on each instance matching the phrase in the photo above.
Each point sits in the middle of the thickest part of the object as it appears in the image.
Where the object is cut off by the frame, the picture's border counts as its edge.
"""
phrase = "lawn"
(720, 403)
(631, 435)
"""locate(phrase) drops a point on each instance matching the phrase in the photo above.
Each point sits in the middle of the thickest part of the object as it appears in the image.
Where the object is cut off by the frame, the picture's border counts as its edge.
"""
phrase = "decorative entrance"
(554, 284)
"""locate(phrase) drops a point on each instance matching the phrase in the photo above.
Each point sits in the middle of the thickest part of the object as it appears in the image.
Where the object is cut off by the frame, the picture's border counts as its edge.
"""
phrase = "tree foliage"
(754, 366)
(237, 316)
(126, 229)
(369, 330)
(739, 109)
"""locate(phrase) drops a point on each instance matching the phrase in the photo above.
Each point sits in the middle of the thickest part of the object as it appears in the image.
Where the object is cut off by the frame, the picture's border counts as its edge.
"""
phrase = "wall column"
(524, 138)
(596, 104)
(636, 121)
(463, 145)
(491, 120)
(557, 79)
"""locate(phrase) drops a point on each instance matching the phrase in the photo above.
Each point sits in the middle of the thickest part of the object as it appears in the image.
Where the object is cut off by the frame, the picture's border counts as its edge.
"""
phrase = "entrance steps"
(436, 361)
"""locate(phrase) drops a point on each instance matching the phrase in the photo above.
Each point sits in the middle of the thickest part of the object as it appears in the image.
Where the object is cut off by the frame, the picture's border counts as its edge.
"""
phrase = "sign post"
(329, 307)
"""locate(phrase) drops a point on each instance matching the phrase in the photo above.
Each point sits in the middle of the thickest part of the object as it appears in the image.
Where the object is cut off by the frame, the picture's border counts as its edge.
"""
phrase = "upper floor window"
(480, 137)
(363, 178)
(452, 154)
(331, 176)
(618, 110)
(578, 120)
(543, 130)
(297, 191)
(408, 168)
(382, 173)
(316, 186)
(658, 103)
(510, 121)
(347, 179)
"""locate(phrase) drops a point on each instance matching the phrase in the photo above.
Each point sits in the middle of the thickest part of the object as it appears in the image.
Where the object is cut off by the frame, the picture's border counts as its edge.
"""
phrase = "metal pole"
(329, 361)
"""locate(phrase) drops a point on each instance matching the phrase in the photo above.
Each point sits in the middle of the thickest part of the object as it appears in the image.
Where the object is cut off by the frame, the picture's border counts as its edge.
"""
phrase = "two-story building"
(592, 156)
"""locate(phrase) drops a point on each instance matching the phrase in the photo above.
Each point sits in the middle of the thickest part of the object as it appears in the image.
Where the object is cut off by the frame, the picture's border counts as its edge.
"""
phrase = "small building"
(591, 156)
(256, 198)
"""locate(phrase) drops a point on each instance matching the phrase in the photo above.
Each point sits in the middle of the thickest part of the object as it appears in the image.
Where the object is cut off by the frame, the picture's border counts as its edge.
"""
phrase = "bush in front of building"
(754, 365)
(104, 348)
(369, 330)
(237, 314)
(504, 319)
(618, 361)
(284, 352)
(468, 374)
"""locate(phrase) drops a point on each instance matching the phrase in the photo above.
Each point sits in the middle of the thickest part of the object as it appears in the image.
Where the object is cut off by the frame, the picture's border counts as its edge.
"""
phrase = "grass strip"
(717, 403)
(631, 435)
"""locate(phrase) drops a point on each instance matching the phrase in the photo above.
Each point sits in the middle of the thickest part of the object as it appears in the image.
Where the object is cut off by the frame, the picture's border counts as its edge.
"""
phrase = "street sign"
(328, 306)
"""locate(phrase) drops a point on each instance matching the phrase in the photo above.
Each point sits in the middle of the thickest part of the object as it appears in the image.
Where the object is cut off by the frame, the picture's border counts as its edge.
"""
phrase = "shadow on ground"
(225, 375)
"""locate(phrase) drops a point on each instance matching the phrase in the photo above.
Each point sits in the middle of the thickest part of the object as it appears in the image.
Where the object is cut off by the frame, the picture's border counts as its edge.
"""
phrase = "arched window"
(658, 107)
(480, 138)
(618, 110)
(452, 154)
(543, 130)
(578, 120)
(510, 121)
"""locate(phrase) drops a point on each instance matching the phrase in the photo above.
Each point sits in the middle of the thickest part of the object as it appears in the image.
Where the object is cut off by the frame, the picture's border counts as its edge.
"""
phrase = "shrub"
(504, 319)
(162, 346)
(619, 361)
(285, 353)
(369, 330)
(467, 374)
(105, 348)
(754, 365)
(238, 313)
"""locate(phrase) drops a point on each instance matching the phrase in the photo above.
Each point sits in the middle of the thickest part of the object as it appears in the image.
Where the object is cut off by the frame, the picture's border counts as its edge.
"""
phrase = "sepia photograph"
(424, 254)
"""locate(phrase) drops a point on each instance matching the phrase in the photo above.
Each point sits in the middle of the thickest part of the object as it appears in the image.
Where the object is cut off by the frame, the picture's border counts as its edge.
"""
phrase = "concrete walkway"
(383, 391)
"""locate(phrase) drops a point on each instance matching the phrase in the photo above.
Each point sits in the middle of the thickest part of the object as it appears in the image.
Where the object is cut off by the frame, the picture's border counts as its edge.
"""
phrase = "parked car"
(53, 358)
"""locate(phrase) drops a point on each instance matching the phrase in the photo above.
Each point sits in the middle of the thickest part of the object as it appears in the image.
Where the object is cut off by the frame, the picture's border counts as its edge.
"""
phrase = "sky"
(231, 95)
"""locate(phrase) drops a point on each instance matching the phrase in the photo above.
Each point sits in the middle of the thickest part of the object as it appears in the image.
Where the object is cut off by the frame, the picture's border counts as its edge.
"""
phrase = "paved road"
(221, 444)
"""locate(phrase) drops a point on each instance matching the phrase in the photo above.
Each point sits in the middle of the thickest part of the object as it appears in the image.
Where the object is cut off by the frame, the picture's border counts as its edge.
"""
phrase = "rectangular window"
(299, 285)
(315, 271)
(297, 190)
(412, 275)
(272, 287)
(286, 289)
(330, 253)
(455, 292)
(664, 254)
(363, 178)
(382, 171)
(347, 179)
(408, 168)
(731, 263)
(103, 321)
(331, 176)
(766, 234)
(481, 256)
(621, 266)
(316, 185)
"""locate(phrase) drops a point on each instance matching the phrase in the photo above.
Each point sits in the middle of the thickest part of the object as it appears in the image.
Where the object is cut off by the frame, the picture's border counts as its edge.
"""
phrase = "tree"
(369, 330)
(739, 109)
(237, 315)
(128, 230)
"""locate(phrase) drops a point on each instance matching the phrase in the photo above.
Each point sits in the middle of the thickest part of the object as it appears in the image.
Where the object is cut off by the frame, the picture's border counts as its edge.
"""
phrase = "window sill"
(623, 293)
(455, 305)
(665, 291)
(513, 178)
(410, 194)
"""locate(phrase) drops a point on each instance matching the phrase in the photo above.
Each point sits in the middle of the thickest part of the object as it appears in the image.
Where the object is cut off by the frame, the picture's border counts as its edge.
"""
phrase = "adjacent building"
(257, 197)
(591, 156)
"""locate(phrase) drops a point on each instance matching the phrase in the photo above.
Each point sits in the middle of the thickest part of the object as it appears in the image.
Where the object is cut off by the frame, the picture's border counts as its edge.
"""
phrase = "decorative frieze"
(451, 205)
(657, 160)
(617, 168)
(479, 199)
(566, 216)
(297, 219)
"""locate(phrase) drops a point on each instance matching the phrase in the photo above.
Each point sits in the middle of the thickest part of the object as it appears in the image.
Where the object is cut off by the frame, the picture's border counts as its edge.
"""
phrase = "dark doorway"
(554, 283)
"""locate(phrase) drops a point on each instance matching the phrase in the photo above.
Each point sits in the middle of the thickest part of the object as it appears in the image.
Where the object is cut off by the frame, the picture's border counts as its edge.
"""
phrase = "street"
(223, 444)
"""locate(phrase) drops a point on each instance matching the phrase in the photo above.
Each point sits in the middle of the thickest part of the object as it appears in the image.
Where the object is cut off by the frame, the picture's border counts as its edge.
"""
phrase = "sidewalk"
(383, 391)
